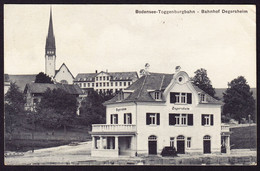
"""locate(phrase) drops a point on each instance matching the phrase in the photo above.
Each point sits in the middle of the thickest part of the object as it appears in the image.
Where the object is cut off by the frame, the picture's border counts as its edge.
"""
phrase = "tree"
(43, 78)
(57, 108)
(92, 111)
(14, 105)
(239, 100)
(203, 82)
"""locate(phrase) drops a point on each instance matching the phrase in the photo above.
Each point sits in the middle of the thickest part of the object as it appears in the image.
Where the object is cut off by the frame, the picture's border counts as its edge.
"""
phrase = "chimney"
(177, 69)
(96, 71)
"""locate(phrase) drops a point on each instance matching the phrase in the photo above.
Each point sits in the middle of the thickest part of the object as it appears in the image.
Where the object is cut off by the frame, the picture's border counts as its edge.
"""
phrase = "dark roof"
(115, 76)
(56, 71)
(22, 80)
(220, 91)
(42, 87)
(153, 81)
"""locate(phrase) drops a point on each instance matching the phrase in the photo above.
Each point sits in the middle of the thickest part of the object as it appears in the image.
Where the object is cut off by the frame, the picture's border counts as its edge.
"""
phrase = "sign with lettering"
(120, 109)
(180, 108)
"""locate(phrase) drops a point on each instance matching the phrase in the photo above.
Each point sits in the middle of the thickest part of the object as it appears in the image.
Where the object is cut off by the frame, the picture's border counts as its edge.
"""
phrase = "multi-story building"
(105, 81)
(160, 110)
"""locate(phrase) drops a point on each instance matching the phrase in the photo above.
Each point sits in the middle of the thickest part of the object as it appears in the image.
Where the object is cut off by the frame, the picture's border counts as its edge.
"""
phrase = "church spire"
(50, 40)
(50, 50)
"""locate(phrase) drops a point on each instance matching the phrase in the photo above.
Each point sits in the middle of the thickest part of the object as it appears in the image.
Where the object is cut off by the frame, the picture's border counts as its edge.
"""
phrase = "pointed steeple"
(50, 40)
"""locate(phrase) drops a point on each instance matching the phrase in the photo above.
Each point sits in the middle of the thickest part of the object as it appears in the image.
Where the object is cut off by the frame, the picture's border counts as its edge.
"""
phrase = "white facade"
(105, 82)
(191, 122)
(50, 64)
(64, 75)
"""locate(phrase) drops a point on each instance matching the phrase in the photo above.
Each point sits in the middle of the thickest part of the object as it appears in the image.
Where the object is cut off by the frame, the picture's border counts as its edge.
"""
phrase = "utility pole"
(249, 131)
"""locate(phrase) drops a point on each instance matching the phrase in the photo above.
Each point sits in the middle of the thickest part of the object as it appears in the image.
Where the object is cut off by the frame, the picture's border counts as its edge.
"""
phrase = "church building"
(63, 74)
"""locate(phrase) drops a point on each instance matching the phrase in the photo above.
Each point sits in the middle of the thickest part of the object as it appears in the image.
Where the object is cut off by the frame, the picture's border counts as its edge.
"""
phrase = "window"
(88, 84)
(152, 118)
(129, 83)
(181, 119)
(127, 118)
(188, 142)
(207, 119)
(104, 84)
(124, 83)
(202, 98)
(96, 84)
(120, 96)
(114, 119)
(108, 84)
(104, 77)
(116, 83)
(157, 95)
(96, 78)
(120, 83)
(100, 78)
(80, 84)
(84, 84)
(181, 98)
(93, 84)
(100, 84)
(111, 84)
(172, 141)
(107, 77)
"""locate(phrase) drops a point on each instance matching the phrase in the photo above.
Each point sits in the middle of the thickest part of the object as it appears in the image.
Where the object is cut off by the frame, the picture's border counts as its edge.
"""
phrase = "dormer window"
(202, 97)
(120, 96)
(157, 95)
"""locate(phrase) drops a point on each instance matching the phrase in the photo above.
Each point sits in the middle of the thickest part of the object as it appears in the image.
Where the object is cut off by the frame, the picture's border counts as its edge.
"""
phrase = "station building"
(160, 110)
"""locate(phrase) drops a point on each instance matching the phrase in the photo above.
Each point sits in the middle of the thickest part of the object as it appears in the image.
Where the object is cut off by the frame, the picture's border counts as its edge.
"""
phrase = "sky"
(116, 38)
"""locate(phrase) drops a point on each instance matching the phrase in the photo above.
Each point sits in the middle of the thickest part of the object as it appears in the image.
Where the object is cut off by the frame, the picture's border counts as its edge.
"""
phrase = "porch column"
(228, 144)
(93, 142)
(101, 142)
(116, 142)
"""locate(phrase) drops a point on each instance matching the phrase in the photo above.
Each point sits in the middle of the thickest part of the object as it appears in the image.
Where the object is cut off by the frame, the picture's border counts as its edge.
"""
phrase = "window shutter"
(125, 118)
(172, 97)
(189, 98)
(171, 119)
(190, 119)
(202, 120)
(130, 118)
(111, 119)
(158, 118)
(211, 120)
(116, 119)
(148, 121)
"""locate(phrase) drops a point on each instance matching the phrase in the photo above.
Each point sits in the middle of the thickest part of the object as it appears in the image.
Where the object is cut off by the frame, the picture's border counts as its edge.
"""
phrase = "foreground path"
(80, 155)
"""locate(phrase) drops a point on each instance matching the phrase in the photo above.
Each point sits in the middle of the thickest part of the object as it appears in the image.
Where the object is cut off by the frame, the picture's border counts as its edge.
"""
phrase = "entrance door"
(180, 146)
(152, 144)
(206, 144)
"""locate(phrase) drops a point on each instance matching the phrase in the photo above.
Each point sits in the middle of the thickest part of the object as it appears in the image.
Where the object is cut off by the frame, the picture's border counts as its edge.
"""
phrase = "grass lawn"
(243, 137)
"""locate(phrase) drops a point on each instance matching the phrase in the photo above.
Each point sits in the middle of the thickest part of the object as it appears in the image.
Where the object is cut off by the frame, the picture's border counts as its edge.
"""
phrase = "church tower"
(50, 50)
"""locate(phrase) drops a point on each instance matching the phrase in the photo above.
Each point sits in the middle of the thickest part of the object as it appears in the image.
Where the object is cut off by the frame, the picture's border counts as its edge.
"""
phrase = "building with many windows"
(160, 110)
(105, 81)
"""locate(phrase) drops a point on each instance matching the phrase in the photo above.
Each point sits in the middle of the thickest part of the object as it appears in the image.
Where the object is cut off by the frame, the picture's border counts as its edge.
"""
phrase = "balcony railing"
(224, 128)
(113, 128)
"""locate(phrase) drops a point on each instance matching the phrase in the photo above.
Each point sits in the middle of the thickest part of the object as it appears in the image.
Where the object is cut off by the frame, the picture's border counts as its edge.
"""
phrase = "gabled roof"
(115, 76)
(42, 87)
(22, 80)
(57, 71)
(153, 81)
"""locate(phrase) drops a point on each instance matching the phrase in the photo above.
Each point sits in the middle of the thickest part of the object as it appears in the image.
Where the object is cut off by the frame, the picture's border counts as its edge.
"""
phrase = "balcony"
(225, 130)
(113, 128)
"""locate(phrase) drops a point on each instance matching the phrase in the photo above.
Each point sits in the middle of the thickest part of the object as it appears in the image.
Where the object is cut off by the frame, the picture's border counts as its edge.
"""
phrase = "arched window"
(152, 138)
(180, 137)
(64, 82)
(206, 137)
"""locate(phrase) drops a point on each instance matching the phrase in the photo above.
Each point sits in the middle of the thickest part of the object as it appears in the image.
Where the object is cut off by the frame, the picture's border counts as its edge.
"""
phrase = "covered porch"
(113, 140)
